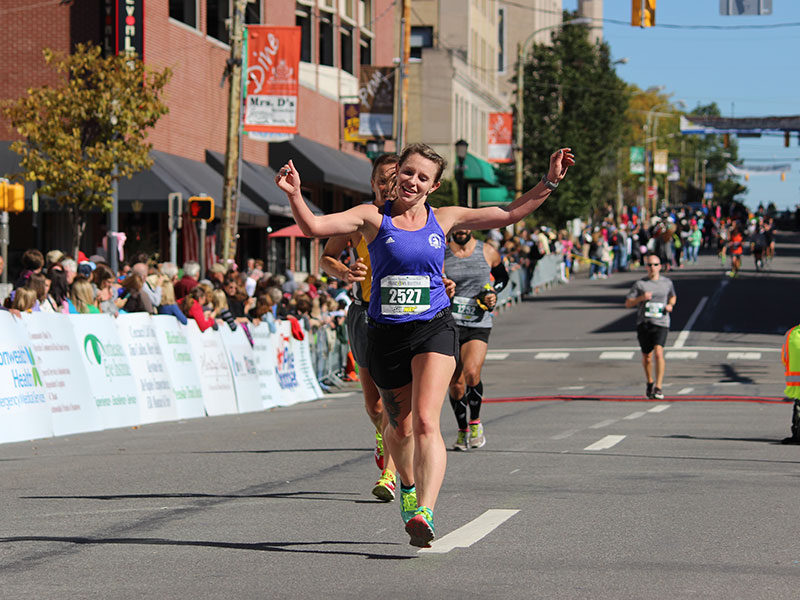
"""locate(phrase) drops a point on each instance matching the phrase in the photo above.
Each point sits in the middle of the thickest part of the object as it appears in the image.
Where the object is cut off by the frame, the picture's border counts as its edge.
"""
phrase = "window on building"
(365, 13)
(421, 37)
(326, 39)
(365, 57)
(252, 13)
(184, 11)
(348, 9)
(302, 19)
(501, 40)
(346, 48)
(217, 14)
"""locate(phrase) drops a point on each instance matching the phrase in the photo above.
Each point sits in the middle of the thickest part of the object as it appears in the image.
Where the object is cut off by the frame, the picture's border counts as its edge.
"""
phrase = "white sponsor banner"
(63, 373)
(265, 356)
(179, 363)
(111, 383)
(243, 368)
(156, 398)
(24, 413)
(294, 367)
(219, 394)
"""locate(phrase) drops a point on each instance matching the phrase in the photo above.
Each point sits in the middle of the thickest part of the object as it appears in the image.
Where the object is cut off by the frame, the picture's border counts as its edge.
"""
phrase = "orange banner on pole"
(501, 127)
(272, 84)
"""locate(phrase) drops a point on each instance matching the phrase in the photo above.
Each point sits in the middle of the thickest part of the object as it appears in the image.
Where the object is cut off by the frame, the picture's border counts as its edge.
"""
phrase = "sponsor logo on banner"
(376, 92)
(22, 365)
(352, 118)
(272, 83)
(637, 160)
(287, 377)
(660, 159)
(500, 137)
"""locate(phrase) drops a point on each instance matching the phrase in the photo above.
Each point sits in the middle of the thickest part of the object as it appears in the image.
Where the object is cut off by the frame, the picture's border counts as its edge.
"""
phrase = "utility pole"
(405, 55)
(229, 198)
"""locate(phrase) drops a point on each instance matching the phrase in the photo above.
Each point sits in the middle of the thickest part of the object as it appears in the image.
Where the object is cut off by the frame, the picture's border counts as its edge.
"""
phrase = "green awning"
(478, 172)
(494, 196)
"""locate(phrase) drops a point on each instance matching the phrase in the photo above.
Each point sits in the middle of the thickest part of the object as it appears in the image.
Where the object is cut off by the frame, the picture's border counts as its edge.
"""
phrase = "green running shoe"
(420, 528)
(462, 440)
(408, 503)
(384, 488)
(476, 437)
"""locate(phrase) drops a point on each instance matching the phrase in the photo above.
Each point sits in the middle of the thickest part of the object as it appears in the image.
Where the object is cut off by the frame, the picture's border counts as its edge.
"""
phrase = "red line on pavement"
(687, 398)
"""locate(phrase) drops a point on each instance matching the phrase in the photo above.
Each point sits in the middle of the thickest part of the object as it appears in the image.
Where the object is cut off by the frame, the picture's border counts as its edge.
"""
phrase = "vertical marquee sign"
(123, 27)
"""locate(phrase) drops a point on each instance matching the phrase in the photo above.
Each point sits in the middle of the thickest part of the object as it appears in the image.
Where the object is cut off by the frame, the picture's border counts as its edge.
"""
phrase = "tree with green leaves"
(573, 97)
(88, 131)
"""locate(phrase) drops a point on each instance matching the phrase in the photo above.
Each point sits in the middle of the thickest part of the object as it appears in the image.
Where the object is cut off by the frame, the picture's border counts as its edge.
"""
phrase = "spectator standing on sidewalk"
(654, 297)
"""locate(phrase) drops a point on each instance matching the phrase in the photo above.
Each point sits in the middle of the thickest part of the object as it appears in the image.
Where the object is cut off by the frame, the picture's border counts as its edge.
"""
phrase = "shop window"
(346, 48)
(184, 11)
(252, 13)
(421, 37)
(302, 18)
(217, 14)
(326, 39)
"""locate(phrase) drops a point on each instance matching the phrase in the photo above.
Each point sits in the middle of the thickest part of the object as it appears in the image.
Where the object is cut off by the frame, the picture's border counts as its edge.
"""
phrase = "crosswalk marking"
(468, 534)
(680, 355)
(551, 355)
(658, 408)
(616, 355)
(744, 356)
(605, 443)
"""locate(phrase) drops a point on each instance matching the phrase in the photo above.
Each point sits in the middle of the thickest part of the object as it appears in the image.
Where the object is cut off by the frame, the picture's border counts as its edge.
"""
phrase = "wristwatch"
(549, 184)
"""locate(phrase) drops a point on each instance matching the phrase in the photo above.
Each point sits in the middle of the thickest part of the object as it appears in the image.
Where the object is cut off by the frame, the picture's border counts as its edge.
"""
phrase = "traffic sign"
(201, 208)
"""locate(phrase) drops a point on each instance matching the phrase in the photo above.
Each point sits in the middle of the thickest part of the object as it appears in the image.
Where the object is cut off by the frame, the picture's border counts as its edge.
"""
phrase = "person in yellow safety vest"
(790, 355)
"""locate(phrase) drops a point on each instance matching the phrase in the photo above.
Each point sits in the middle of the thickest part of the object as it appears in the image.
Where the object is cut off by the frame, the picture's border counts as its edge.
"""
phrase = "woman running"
(412, 338)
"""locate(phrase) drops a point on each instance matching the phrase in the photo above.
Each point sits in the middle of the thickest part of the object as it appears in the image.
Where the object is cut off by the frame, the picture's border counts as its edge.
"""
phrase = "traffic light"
(643, 13)
(201, 208)
(12, 197)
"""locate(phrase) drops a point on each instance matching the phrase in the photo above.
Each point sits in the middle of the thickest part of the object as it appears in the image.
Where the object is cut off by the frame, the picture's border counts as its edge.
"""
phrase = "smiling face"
(416, 178)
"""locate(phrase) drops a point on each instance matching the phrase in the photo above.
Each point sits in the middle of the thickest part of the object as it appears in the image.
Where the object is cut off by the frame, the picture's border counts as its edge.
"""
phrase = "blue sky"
(748, 72)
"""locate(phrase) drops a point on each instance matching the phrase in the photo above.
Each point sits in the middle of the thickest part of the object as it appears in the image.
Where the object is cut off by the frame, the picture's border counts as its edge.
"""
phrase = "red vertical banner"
(272, 85)
(501, 127)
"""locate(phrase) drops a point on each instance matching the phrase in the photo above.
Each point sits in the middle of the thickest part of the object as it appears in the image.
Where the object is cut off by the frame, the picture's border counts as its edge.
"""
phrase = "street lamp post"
(461, 155)
(522, 52)
(651, 127)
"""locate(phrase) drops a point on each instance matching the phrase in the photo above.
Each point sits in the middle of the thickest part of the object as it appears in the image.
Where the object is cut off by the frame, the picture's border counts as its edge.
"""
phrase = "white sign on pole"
(219, 394)
(24, 413)
(58, 357)
(179, 363)
(243, 368)
(265, 356)
(111, 383)
(156, 398)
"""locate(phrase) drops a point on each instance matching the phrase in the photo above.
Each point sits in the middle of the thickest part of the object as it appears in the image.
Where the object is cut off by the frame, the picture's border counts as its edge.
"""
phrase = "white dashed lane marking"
(468, 534)
(496, 355)
(616, 355)
(744, 356)
(658, 408)
(680, 355)
(551, 355)
(686, 390)
(602, 424)
(635, 415)
(607, 442)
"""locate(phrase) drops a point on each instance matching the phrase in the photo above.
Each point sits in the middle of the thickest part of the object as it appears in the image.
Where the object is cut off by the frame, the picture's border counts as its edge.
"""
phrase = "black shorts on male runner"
(357, 332)
(390, 348)
(651, 336)
(467, 334)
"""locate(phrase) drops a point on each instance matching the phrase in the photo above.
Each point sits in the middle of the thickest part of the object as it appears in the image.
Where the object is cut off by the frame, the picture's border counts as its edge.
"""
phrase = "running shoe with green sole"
(408, 503)
(384, 488)
(476, 437)
(462, 440)
(420, 528)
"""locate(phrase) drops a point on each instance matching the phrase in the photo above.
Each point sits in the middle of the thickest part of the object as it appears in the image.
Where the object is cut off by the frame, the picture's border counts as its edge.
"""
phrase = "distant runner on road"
(654, 296)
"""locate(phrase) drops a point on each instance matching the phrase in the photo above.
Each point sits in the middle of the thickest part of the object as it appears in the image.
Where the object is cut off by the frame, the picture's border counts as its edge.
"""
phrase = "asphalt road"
(584, 489)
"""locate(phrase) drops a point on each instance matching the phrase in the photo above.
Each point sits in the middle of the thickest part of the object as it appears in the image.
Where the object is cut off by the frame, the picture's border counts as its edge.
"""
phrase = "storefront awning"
(322, 164)
(258, 183)
(494, 196)
(478, 172)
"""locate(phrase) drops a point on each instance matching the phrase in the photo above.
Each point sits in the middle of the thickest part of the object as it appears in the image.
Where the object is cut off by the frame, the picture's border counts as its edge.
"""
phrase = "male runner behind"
(360, 271)
(469, 263)
(655, 298)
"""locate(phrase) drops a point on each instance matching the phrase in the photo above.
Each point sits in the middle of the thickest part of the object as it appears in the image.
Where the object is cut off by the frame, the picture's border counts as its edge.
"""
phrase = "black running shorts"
(651, 336)
(357, 332)
(390, 348)
(467, 334)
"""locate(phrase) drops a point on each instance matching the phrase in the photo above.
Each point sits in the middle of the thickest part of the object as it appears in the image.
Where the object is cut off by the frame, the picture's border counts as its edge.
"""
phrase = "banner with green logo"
(176, 352)
(24, 413)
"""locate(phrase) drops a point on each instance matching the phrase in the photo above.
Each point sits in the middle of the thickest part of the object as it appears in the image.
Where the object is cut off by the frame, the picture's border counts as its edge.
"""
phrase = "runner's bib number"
(466, 309)
(405, 294)
(654, 310)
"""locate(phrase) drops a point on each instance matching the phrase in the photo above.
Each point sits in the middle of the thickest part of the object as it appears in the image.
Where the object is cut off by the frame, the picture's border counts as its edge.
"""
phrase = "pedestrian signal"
(643, 13)
(201, 208)
(12, 197)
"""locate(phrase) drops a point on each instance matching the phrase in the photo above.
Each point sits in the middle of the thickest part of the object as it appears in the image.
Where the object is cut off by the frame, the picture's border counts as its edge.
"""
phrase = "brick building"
(190, 37)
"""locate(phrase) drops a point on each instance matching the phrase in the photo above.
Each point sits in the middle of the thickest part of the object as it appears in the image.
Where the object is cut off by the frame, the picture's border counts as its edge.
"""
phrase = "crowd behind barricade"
(233, 297)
